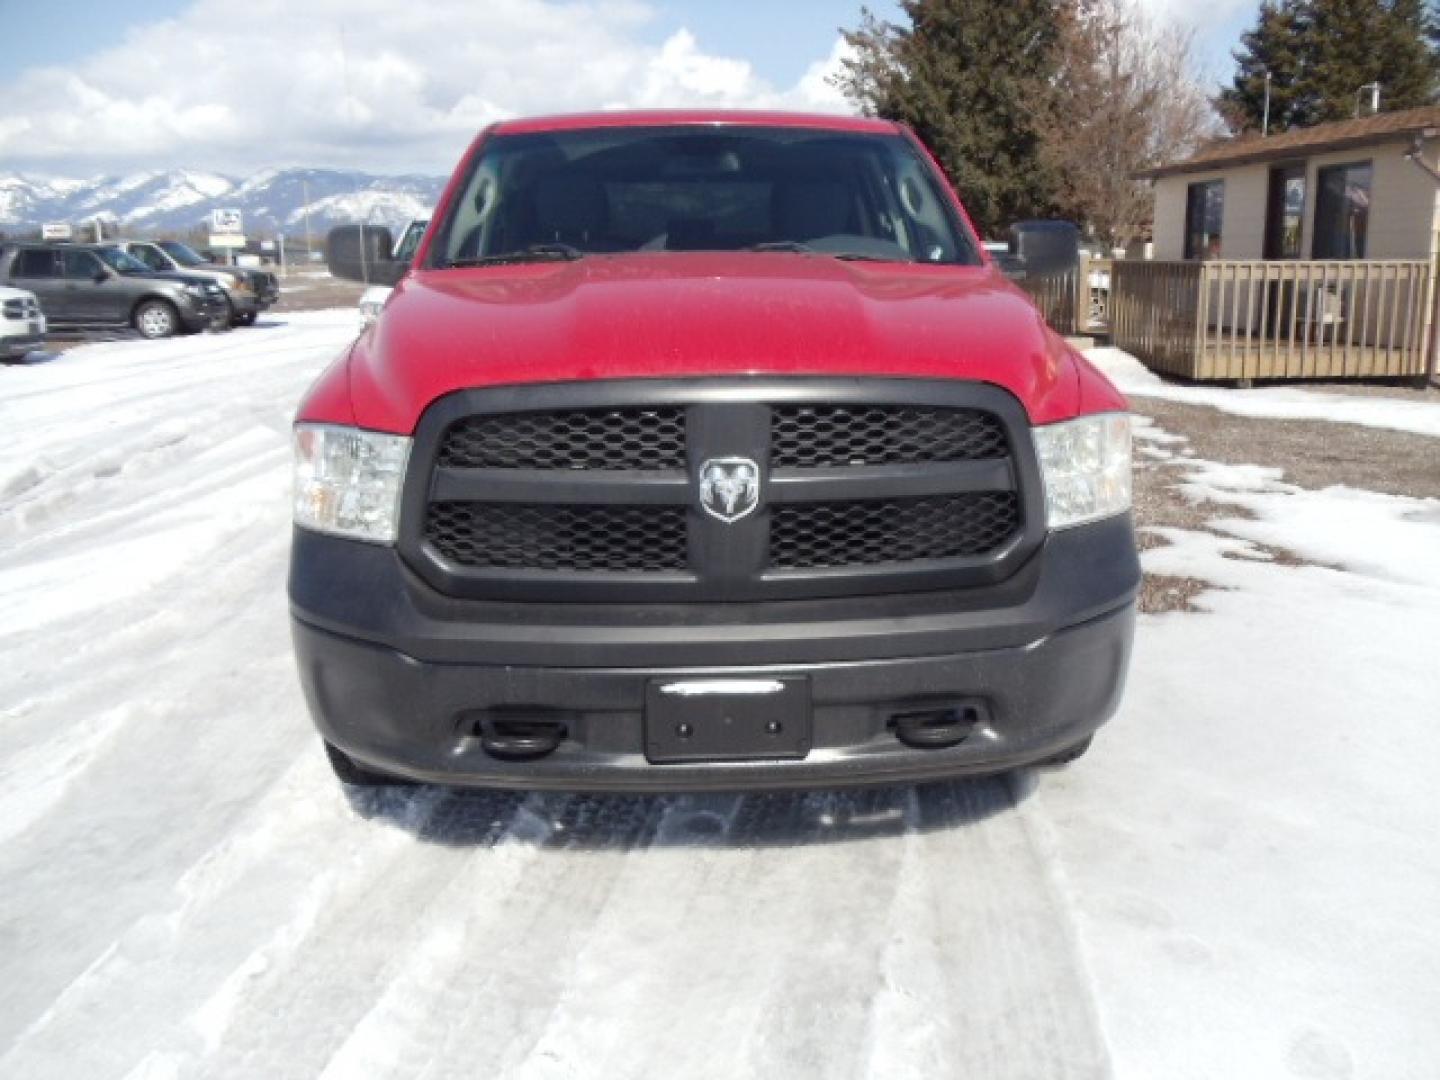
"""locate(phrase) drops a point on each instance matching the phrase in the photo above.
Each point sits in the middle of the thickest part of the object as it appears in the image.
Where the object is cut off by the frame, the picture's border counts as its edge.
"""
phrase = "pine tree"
(967, 75)
(1352, 43)
(1321, 52)
(1276, 45)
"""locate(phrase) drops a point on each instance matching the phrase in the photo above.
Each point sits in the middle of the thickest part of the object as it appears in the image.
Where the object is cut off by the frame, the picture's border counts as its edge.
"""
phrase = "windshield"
(615, 190)
(180, 253)
(122, 263)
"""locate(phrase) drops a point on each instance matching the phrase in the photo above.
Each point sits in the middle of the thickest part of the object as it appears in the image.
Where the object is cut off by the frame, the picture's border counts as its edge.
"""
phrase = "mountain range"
(176, 200)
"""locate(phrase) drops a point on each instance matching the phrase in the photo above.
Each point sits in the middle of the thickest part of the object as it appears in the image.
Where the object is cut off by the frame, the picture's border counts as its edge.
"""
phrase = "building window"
(1204, 211)
(1342, 211)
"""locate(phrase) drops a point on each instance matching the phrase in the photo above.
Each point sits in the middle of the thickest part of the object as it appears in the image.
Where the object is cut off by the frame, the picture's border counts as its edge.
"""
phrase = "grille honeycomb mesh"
(813, 436)
(632, 439)
(523, 536)
(813, 536)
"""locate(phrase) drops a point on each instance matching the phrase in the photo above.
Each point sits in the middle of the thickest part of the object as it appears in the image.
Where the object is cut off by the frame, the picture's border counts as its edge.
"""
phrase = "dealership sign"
(227, 229)
(56, 230)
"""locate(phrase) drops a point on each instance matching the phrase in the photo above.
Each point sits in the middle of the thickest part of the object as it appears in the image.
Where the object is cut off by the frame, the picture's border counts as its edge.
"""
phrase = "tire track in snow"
(981, 976)
(239, 911)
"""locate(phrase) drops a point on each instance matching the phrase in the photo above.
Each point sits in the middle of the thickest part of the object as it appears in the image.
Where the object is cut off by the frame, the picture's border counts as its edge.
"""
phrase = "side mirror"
(101, 275)
(362, 253)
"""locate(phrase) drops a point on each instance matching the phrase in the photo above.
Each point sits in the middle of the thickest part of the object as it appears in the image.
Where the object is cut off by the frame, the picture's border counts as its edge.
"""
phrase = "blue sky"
(778, 37)
(116, 85)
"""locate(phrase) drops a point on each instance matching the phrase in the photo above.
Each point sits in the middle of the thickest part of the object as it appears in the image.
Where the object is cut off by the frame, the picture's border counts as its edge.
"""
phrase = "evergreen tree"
(1275, 45)
(1321, 52)
(968, 76)
(1356, 42)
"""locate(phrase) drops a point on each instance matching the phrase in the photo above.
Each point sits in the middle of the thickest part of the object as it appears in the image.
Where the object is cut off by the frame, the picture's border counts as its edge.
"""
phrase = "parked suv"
(706, 451)
(99, 285)
(22, 326)
(247, 292)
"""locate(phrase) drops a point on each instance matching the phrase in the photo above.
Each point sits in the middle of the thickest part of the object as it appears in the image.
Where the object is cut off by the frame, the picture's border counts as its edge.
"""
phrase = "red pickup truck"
(705, 450)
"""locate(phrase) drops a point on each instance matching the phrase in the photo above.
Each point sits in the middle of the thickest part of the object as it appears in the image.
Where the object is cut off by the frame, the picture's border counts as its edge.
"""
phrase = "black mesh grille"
(632, 439)
(521, 536)
(814, 436)
(828, 535)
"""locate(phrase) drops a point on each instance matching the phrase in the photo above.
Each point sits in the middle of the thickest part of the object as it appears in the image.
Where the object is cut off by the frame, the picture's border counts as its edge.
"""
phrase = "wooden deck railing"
(1056, 295)
(1274, 320)
(1073, 301)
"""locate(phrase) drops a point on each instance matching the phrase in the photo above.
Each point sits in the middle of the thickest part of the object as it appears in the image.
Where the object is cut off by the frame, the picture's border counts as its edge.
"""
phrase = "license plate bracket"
(717, 719)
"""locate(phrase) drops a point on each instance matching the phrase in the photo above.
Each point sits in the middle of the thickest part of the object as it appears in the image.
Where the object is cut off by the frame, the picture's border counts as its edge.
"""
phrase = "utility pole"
(305, 199)
(1265, 123)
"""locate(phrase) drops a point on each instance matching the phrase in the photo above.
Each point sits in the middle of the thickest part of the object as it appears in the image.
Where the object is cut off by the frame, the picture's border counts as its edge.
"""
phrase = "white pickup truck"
(373, 299)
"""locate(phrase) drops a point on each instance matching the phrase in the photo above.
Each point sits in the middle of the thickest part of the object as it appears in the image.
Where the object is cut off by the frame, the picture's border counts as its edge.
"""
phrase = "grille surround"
(725, 563)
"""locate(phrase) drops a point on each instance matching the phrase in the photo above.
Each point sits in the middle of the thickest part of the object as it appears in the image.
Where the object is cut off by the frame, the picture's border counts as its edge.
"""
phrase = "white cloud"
(399, 87)
(1190, 14)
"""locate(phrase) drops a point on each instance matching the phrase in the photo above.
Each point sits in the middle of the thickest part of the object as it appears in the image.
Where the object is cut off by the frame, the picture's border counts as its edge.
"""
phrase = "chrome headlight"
(348, 481)
(1086, 467)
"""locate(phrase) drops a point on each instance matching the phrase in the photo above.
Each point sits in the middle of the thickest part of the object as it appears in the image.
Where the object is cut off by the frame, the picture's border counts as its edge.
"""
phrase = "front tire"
(355, 775)
(245, 318)
(157, 319)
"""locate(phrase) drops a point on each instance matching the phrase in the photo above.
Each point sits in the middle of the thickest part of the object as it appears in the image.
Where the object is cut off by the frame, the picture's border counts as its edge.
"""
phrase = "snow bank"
(1281, 403)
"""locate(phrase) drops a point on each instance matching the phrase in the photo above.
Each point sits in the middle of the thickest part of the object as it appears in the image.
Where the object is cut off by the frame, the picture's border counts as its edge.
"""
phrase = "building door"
(1284, 231)
(1285, 212)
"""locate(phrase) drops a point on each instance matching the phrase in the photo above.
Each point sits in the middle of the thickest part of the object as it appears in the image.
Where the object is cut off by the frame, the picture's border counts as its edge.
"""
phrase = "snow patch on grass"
(1281, 403)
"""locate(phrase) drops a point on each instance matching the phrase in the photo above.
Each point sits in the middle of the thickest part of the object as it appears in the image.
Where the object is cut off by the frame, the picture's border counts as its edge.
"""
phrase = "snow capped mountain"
(179, 199)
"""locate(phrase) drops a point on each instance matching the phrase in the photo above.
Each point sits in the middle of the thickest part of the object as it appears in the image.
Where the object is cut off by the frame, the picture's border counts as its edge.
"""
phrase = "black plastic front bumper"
(399, 676)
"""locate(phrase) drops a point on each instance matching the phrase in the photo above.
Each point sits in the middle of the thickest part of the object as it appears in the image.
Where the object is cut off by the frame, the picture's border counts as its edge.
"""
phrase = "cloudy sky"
(113, 85)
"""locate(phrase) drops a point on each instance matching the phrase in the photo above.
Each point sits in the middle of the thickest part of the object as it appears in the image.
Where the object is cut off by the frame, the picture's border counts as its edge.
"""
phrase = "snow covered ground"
(1278, 402)
(1241, 880)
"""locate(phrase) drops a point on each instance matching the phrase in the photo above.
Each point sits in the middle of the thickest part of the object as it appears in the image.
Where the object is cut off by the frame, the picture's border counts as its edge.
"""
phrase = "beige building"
(1308, 254)
(1344, 190)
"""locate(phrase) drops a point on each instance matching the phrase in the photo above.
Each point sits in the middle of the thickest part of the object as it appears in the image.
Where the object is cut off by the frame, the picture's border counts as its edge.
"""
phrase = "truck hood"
(676, 315)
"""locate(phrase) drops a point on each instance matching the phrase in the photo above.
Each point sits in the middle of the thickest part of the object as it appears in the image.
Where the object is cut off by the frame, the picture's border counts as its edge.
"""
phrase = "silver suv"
(248, 292)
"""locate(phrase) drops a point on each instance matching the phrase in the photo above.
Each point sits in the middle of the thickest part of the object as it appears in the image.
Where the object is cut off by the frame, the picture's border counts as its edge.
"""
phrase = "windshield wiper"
(533, 253)
(782, 245)
(862, 256)
(803, 248)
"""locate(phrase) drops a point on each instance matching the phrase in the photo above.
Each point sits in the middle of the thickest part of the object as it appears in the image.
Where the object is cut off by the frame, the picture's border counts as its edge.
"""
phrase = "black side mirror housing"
(362, 253)
(1046, 247)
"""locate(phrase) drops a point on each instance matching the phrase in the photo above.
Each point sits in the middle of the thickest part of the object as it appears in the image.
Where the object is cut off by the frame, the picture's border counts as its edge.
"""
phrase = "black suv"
(85, 285)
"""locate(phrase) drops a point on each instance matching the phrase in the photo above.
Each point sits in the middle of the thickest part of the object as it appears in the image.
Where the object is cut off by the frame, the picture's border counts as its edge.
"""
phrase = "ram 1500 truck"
(706, 450)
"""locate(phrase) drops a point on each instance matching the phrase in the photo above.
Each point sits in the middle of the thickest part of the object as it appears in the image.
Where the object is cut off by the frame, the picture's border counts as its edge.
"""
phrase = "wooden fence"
(1073, 301)
(1274, 320)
